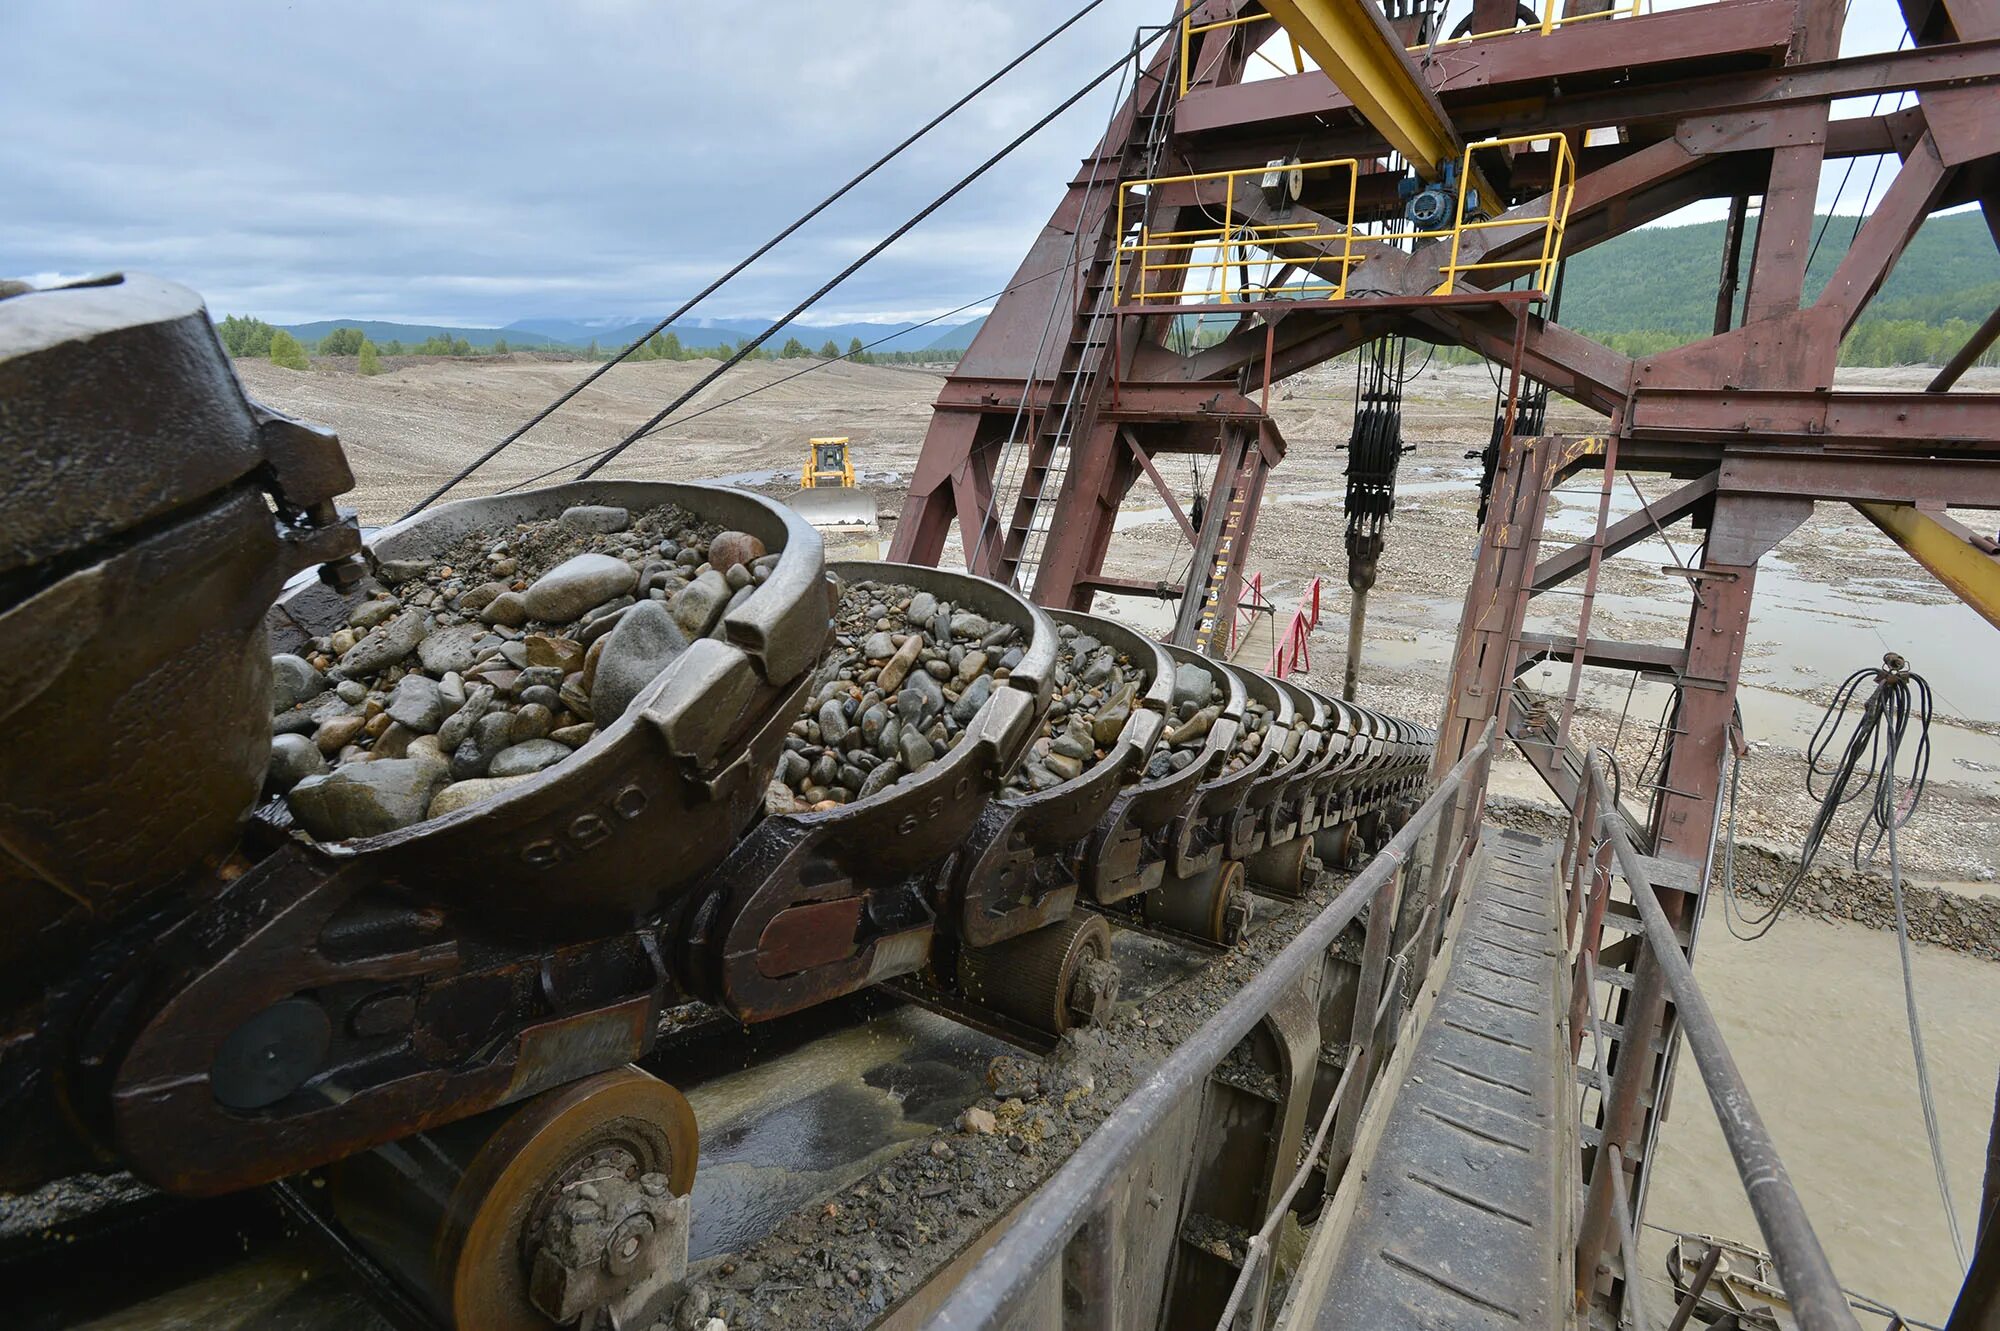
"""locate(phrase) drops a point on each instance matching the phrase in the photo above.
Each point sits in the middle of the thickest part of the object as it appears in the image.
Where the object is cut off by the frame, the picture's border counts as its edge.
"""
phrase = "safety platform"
(1457, 1219)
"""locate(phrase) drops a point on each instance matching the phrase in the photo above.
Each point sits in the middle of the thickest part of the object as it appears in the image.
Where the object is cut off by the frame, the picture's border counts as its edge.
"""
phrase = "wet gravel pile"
(1250, 736)
(1095, 686)
(1198, 701)
(1833, 889)
(468, 674)
(907, 673)
(843, 1261)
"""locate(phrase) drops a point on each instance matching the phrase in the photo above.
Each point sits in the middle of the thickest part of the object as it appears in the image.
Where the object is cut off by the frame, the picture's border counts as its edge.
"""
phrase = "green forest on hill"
(1653, 289)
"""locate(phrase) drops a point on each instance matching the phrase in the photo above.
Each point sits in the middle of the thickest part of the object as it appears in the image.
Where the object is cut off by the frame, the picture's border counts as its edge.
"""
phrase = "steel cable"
(1867, 764)
(898, 233)
(753, 256)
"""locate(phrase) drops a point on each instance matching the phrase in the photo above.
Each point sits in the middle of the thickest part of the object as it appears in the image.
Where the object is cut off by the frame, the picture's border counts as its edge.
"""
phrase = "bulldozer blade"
(831, 506)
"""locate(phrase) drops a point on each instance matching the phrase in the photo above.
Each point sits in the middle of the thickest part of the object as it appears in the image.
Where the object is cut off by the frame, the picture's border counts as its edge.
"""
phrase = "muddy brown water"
(1814, 1015)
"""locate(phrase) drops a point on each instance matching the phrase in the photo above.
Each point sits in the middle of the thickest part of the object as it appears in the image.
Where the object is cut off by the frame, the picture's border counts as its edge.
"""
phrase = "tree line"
(251, 338)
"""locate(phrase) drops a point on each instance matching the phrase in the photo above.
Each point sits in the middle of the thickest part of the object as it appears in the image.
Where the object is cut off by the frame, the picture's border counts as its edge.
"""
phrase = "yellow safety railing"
(1236, 246)
(1551, 20)
(1562, 191)
(1191, 30)
(1227, 252)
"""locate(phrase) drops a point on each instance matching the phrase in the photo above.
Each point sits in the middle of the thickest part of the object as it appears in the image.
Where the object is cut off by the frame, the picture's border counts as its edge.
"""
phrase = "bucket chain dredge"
(444, 1015)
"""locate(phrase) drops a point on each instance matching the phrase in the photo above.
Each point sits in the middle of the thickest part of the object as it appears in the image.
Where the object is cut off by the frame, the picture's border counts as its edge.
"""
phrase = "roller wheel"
(486, 1218)
(1212, 905)
(1050, 978)
(1286, 869)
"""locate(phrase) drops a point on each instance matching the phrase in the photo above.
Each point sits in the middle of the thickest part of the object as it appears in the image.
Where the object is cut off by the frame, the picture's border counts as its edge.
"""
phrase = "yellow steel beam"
(1355, 47)
(1953, 555)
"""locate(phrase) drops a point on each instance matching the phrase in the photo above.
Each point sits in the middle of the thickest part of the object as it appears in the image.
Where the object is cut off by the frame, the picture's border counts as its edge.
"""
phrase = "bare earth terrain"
(1813, 1011)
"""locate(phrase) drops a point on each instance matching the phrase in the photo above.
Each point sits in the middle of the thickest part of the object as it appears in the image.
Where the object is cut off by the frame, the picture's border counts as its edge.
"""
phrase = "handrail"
(1807, 1276)
(1551, 20)
(1080, 1193)
(1326, 244)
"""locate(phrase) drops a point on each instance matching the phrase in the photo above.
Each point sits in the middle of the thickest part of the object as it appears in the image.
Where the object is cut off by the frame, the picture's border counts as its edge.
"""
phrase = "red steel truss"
(1067, 397)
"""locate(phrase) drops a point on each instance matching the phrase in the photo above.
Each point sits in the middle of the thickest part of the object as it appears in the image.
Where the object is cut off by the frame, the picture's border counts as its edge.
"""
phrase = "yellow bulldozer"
(829, 499)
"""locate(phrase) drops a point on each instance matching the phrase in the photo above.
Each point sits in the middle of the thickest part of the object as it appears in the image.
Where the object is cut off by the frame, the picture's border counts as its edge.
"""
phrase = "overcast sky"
(478, 161)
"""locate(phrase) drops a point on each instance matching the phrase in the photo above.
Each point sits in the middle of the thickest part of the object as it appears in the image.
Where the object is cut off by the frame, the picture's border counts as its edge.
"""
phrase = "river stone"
(464, 794)
(577, 585)
(532, 721)
(336, 733)
(490, 734)
(879, 647)
(293, 759)
(832, 722)
(1191, 684)
(1064, 766)
(734, 547)
(1112, 716)
(458, 726)
(698, 605)
(451, 650)
(384, 645)
(351, 691)
(792, 768)
(417, 704)
(881, 778)
(365, 799)
(370, 613)
(914, 750)
(293, 680)
(1194, 727)
(922, 607)
(899, 665)
(970, 701)
(1074, 742)
(965, 624)
(926, 685)
(508, 608)
(528, 757)
(603, 518)
(475, 599)
(547, 649)
(645, 642)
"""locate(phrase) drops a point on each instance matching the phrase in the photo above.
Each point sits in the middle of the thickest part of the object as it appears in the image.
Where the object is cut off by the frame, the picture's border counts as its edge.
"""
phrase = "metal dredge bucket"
(661, 794)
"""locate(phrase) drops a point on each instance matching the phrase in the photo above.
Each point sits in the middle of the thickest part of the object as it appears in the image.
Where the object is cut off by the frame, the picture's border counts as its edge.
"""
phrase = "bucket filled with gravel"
(918, 659)
(602, 645)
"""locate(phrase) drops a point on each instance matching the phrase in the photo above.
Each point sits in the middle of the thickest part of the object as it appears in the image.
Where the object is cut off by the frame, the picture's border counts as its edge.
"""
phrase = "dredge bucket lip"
(1009, 719)
(1249, 778)
(1306, 727)
(1143, 729)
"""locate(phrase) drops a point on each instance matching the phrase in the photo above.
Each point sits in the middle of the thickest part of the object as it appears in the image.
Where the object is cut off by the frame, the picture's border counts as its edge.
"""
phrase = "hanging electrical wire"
(752, 257)
(1864, 769)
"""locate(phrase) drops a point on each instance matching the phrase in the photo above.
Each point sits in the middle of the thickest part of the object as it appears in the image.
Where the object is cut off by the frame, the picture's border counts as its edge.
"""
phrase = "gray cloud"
(474, 162)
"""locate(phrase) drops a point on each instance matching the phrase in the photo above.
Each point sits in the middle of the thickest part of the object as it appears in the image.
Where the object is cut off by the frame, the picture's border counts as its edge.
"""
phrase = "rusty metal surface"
(658, 796)
(884, 848)
(1019, 866)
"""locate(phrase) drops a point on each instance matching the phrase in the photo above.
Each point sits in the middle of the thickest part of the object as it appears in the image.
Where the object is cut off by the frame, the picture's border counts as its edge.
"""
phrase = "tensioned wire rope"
(867, 256)
(664, 426)
(1005, 472)
(753, 257)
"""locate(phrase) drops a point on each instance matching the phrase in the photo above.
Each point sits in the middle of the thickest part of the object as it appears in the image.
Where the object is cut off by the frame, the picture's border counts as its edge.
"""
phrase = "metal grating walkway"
(1461, 1220)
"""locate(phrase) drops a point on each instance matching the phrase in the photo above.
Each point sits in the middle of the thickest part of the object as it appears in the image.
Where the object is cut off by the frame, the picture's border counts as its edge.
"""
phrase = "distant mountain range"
(1655, 280)
(608, 333)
